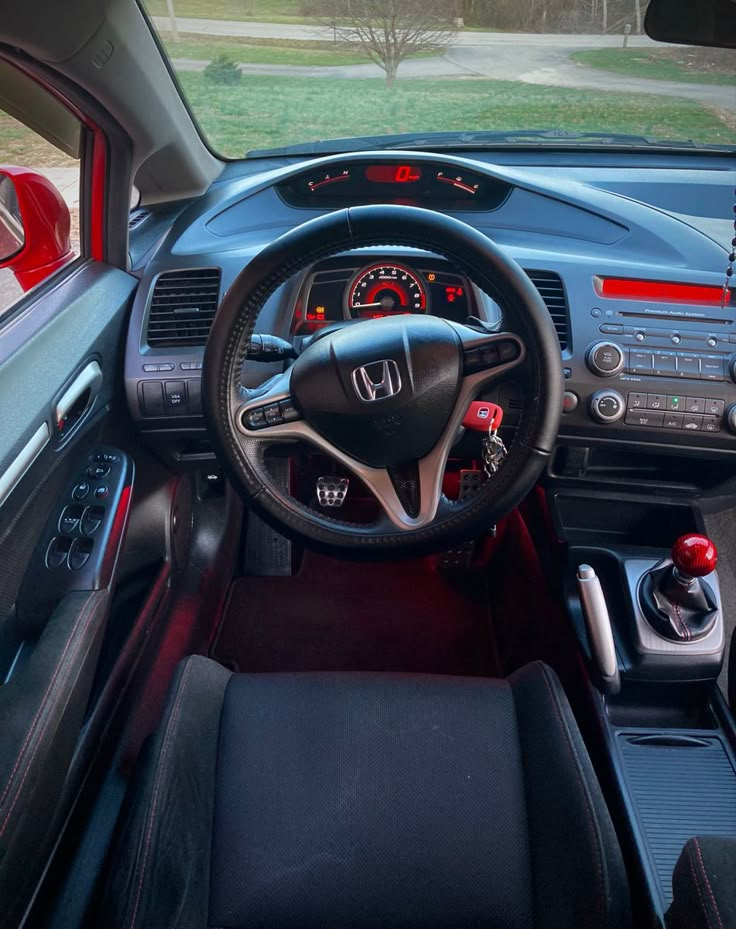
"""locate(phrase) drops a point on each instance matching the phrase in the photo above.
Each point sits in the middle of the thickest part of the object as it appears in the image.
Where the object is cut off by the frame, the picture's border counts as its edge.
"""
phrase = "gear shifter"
(674, 598)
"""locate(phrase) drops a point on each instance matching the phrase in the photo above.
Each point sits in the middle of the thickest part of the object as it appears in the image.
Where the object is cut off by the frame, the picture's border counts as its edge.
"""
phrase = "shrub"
(221, 70)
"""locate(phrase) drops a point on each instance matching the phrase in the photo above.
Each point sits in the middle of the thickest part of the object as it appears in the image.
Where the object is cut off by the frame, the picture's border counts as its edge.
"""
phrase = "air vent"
(182, 307)
(136, 217)
(552, 291)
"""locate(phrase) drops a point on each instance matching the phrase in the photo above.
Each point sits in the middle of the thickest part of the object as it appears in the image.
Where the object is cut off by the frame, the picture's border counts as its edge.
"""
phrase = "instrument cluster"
(339, 290)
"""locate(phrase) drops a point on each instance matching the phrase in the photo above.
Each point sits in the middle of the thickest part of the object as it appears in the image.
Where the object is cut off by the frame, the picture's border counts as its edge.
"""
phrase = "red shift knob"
(694, 555)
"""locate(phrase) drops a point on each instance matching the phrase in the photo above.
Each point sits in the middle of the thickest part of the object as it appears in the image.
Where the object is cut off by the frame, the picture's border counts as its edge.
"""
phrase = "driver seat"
(359, 801)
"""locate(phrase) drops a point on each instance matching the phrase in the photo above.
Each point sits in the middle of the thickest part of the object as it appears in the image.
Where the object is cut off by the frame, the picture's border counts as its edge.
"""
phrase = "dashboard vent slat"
(552, 291)
(183, 306)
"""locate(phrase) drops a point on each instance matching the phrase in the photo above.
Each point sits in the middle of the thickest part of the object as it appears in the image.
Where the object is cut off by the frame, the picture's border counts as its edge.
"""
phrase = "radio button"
(656, 402)
(711, 369)
(714, 407)
(641, 361)
(711, 424)
(691, 422)
(694, 405)
(673, 421)
(688, 366)
(664, 364)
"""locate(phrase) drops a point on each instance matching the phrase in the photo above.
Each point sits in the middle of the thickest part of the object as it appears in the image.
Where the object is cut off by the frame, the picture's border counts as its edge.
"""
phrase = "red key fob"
(482, 416)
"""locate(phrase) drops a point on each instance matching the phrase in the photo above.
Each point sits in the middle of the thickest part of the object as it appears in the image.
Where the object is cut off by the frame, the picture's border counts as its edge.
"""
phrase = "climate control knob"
(605, 359)
(607, 406)
(731, 418)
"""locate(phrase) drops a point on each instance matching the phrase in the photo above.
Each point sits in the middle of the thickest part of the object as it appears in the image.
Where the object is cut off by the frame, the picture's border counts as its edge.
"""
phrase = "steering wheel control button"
(79, 553)
(607, 406)
(69, 519)
(97, 471)
(176, 397)
(332, 491)
(255, 419)
(57, 552)
(102, 491)
(570, 402)
(605, 359)
(81, 491)
(490, 356)
(289, 412)
(273, 415)
(92, 520)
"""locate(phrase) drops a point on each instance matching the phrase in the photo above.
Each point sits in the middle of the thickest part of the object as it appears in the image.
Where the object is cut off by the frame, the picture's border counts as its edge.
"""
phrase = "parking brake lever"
(600, 634)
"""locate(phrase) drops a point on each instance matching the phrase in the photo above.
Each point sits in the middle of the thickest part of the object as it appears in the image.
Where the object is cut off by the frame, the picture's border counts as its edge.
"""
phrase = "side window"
(40, 179)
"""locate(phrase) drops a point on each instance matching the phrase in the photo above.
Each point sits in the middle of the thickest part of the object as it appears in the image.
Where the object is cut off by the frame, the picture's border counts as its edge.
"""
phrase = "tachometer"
(385, 290)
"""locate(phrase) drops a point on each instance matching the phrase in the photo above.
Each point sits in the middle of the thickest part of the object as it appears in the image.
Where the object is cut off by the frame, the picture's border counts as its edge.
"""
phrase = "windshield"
(268, 74)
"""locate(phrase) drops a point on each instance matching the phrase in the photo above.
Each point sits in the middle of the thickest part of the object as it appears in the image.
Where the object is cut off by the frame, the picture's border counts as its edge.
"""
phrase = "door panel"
(60, 381)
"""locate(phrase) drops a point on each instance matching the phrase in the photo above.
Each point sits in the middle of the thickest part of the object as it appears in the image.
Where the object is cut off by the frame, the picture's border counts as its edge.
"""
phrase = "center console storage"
(668, 734)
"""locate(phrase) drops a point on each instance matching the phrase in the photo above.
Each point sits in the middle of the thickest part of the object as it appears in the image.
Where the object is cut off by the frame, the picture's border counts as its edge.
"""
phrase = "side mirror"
(692, 22)
(34, 226)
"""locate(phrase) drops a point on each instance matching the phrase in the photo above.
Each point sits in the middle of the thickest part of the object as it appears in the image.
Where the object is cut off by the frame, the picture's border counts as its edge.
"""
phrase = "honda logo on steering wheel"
(377, 381)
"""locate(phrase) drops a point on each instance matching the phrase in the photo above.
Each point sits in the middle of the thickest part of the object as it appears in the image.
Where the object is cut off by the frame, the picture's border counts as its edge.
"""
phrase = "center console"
(659, 369)
(649, 618)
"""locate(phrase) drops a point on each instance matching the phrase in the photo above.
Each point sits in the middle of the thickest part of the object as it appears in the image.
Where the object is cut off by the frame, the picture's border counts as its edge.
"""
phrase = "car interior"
(367, 514)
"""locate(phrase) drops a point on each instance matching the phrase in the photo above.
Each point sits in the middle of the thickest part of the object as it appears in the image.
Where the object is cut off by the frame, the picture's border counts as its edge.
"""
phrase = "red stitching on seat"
(156, 789)
(83, 615)
(700, 892)
(707, 883)
(583, 790)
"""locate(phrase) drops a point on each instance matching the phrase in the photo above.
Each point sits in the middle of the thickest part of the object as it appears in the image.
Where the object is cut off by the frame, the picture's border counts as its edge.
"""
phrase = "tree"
(389, 31)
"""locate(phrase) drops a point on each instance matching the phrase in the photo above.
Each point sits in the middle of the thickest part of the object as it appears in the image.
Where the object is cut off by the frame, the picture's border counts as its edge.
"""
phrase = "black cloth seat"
(365, 801)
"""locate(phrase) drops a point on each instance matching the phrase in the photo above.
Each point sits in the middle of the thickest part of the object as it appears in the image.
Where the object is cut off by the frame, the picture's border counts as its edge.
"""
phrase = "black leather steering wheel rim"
(382, 225)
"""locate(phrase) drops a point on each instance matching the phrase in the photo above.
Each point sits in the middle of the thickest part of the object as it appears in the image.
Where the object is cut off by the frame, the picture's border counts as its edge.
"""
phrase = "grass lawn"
(262, 112)
(272, 52)
(268, 11)
(20, 146)
(638, 62)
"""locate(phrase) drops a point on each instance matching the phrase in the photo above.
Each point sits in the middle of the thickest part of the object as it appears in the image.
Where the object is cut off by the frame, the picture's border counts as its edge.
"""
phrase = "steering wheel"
(384, 397)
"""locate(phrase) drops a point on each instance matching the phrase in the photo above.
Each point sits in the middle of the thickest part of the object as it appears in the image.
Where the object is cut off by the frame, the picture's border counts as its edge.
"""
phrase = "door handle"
(84, 387)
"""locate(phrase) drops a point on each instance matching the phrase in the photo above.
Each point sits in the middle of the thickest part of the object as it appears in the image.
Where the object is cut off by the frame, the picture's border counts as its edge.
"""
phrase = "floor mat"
(342, 616)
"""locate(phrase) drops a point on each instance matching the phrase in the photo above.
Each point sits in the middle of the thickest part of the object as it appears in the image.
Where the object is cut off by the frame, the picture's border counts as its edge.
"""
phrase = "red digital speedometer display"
(393, 174)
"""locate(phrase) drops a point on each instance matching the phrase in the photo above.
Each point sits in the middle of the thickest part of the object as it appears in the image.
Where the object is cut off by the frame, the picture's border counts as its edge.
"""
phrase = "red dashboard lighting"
(627, 289)
(393, 174)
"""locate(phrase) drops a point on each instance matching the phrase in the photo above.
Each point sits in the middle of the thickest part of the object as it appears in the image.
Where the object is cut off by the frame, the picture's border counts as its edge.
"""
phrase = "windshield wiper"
(520, 138)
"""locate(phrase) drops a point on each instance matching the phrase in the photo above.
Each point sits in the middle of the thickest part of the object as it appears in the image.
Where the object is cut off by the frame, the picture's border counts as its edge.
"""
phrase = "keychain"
(494, 451)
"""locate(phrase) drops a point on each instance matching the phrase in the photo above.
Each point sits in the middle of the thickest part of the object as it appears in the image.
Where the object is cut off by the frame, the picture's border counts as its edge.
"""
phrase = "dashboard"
(627, 251)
